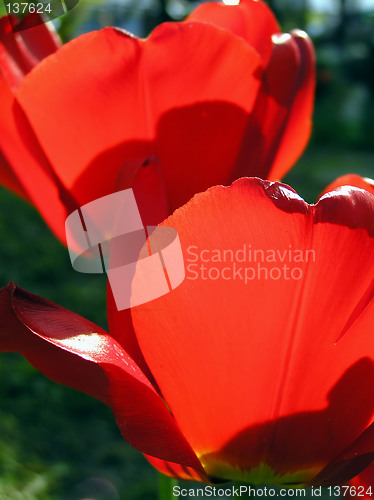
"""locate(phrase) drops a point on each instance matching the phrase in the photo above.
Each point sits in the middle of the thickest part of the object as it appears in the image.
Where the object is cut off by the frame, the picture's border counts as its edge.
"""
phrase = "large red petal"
(20, 52)
(73, 351)
(280, 124)
(251, 20)
(99, 103)
(278, 370)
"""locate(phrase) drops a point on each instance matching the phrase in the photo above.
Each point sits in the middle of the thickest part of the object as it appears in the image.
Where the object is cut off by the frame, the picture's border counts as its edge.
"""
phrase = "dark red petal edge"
(73, 351)
(358, 456)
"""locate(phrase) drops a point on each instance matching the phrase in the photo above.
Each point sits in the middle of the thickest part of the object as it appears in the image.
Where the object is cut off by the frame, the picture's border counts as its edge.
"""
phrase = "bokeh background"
(57, 444)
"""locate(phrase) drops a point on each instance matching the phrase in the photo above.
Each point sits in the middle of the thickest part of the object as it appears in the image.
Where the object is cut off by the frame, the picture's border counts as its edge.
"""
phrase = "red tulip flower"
(196, 104)
(259, 367)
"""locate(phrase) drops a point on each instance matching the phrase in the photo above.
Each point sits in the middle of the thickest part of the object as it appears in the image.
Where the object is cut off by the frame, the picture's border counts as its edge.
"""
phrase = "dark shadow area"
(311, 439)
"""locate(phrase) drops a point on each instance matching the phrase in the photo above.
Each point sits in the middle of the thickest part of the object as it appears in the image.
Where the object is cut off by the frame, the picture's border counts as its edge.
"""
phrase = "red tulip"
(259, 366)
(191, 106)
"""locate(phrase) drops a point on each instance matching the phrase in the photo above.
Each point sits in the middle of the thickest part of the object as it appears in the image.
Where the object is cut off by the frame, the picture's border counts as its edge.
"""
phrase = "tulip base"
(260, 475)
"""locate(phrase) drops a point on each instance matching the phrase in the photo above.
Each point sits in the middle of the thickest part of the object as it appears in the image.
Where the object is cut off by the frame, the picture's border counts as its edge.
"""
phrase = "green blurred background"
(58, 444)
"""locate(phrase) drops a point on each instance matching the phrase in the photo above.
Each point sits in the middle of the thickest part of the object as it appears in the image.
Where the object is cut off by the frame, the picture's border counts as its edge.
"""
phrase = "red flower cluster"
(244, 371)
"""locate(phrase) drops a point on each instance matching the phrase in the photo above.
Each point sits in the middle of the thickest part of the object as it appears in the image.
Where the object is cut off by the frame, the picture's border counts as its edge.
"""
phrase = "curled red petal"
(73, 351)
(252, 366)
(298, 123)
(279, 127)
(71, 369)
